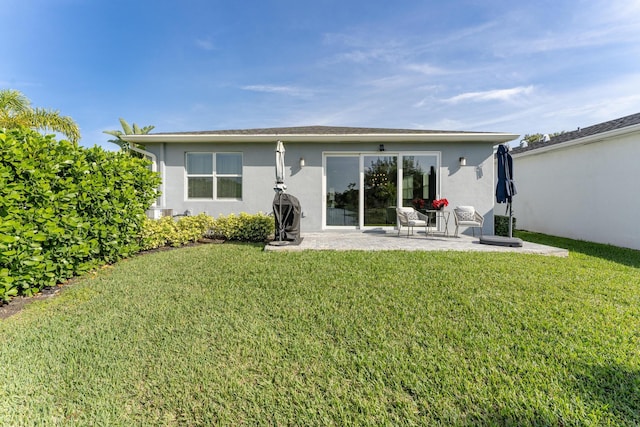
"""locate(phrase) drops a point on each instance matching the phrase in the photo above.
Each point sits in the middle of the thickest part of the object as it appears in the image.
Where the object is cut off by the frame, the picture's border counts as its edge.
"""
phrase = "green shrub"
(156, 233)
(65, 209)
(193, 228)
(245, 227)
(501, 225)
(167, 231)
(226, 227)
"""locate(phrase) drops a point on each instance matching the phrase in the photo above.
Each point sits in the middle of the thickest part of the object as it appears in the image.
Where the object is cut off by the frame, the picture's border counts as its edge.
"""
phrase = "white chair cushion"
(465, 213)
(412, 216)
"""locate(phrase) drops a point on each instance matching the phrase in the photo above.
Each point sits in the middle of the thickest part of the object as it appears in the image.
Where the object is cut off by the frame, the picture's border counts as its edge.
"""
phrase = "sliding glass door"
(363, 190)
(380, 190)
(343, 189)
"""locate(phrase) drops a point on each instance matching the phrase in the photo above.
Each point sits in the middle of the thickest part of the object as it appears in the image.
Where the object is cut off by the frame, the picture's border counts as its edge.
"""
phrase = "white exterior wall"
(462, 185)
(584, 191)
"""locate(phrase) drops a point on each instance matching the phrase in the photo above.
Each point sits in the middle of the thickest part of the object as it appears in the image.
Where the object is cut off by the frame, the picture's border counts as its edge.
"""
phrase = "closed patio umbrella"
(506, 187)
(280, 167)
(279, 188)
(505, 190)
(286, 208)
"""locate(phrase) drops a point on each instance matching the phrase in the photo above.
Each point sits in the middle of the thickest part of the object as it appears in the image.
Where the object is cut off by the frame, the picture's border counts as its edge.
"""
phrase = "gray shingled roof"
(620, 123)
(314, 130)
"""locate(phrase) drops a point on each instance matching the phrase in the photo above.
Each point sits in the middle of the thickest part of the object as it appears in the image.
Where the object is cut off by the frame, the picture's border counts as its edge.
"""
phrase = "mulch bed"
(18, 303)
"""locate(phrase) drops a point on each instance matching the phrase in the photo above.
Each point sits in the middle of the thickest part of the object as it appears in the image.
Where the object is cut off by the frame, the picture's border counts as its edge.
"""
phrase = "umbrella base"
(501, 241)
(286, 242)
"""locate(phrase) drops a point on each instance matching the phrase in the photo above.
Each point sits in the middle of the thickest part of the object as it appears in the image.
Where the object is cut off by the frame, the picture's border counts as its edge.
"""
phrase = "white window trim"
(213, 175)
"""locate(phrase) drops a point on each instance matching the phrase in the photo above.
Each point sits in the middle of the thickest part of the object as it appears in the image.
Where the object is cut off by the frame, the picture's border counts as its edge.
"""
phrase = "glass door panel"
(380, 190)
(342, 198)
(419, 182)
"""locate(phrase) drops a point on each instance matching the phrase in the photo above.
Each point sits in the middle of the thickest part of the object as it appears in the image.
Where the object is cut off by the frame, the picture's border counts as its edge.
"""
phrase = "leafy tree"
(128, 130)
(16, 111)
(536, 138)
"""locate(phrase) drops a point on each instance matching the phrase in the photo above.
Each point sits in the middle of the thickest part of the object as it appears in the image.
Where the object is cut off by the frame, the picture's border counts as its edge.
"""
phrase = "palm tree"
(128, 130)
(16, 111)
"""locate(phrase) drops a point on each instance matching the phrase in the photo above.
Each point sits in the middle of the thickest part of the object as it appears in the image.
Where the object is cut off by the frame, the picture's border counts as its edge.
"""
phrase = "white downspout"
(154, 168)
(154, 159)
(163, 173)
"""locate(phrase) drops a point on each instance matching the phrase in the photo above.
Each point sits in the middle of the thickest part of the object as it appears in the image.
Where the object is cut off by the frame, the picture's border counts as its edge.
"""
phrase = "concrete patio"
(379, 240)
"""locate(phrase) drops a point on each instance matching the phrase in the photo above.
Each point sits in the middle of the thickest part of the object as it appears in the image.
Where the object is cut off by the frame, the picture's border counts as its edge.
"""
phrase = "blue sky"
(181, 65)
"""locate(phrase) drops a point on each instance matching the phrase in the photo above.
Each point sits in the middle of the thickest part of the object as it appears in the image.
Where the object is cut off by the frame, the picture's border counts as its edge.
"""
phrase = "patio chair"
(467, 216)
(409, 217)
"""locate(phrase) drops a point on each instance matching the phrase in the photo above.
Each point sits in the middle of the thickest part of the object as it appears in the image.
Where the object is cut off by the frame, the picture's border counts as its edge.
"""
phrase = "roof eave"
(590, 139)
(319, 138)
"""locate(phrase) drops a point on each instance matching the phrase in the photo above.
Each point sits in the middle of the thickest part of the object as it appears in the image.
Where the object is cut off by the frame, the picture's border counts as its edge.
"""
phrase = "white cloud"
(471, 34)
(568, 41)
(426, 69)
(340, 38)
(492, 95)
(440, 124)
(389, 82)
(363, 56)
(602, 102)
(612, 12)
(284, 90)
(359, 49)
(582, 27)
(420, 103)
(18, 84)
(205, 44)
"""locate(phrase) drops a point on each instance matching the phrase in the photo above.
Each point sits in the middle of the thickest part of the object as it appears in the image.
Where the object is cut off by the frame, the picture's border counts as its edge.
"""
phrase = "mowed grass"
(231, 335)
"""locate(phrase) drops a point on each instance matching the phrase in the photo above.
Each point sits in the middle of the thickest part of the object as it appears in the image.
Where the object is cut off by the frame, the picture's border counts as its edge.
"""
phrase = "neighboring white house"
(582, 184)
(344, 177)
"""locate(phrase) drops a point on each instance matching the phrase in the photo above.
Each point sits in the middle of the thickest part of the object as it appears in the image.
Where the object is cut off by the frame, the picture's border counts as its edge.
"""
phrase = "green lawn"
(231, 335)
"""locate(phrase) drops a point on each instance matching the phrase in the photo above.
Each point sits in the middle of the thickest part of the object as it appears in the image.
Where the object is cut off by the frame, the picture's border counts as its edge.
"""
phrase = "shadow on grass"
(512, 417)
(624, 256)
(614, 388)
(611, 396)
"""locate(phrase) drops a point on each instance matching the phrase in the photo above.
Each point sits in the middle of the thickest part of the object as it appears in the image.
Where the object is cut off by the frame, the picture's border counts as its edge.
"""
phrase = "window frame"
(401, 154)
(213, 175)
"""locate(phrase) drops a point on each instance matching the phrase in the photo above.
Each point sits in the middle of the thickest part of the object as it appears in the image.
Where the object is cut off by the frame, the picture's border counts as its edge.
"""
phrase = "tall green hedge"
(65, 209)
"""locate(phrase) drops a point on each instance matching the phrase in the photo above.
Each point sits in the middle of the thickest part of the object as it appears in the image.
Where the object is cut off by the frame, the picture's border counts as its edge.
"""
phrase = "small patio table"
(439, 213)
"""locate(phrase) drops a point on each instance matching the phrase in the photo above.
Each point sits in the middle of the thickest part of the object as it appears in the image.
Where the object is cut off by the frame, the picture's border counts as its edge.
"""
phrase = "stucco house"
(582, 184)
(344, 177)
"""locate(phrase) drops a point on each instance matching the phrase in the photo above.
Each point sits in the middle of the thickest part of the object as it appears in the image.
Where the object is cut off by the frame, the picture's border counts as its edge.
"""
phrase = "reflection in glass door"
(363, 190)
(419, 181)
(343, 190)
(380, 190)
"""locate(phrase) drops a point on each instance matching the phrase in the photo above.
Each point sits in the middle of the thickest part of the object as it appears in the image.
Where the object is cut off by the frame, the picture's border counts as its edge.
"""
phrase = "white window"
(214, 176)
